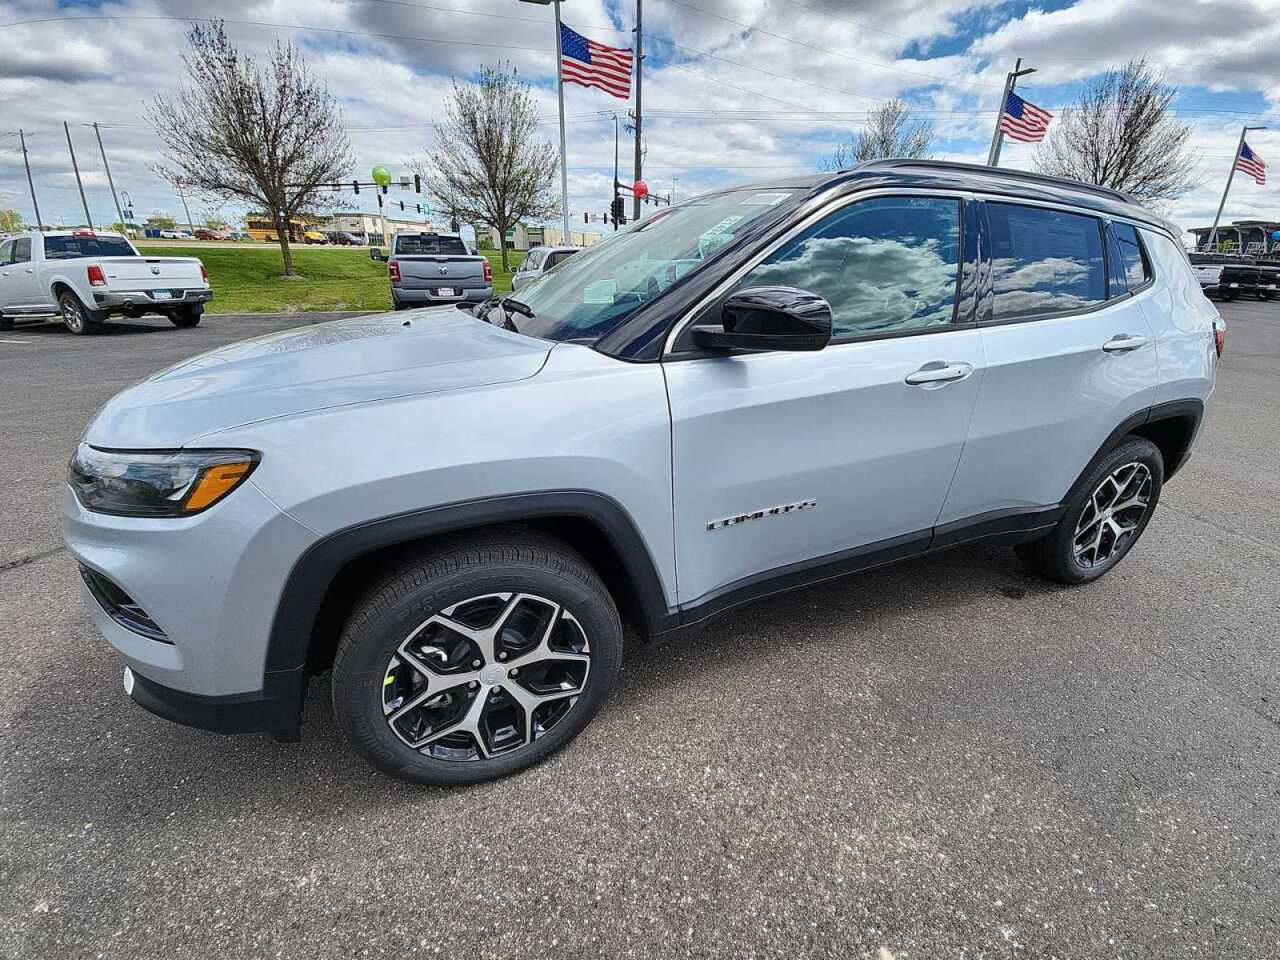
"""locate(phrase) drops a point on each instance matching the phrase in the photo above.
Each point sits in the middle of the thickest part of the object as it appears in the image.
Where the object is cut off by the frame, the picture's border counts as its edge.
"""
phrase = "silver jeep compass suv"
(456, 509)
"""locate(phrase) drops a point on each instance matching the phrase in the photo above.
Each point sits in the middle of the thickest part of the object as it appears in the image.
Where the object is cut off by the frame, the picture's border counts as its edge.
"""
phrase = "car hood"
(310, 368)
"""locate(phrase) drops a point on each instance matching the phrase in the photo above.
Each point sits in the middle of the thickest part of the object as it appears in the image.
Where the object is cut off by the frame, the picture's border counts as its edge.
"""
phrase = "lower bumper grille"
(121, 607)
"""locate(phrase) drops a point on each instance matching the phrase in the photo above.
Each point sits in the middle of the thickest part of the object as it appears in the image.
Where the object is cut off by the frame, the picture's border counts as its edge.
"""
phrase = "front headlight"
(156, 483)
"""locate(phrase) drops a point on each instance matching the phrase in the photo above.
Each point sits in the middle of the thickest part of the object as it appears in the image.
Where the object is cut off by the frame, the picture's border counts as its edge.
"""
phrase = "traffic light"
(355, 185)
(402, 205)
(586, 217)
(417, 183)
(618, 210)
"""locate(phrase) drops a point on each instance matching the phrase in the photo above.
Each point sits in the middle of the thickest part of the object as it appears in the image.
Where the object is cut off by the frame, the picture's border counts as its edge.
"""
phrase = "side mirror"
(375, 253)
(769, 318)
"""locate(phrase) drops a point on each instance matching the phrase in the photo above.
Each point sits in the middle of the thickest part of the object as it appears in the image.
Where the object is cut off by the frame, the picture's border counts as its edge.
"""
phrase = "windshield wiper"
(512, 305)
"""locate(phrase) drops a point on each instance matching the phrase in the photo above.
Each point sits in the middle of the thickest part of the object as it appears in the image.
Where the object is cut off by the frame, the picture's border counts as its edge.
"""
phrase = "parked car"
(173, 235)
(429, 268)
(239, 235)
(343, 238)
(207, 233)
(1227, 275)
(538, 261)
(86, 277)
(456, 511)
(314, 236)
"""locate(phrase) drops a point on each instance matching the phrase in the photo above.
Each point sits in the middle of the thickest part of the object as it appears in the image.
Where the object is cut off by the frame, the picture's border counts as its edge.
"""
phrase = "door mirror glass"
(769, 318)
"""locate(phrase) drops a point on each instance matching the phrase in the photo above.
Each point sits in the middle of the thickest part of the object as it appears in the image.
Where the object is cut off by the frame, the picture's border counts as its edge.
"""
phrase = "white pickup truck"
(84, 277)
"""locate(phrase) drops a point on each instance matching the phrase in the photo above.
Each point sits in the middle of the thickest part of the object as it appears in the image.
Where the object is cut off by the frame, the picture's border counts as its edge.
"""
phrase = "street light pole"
(1213, 234)
(74, 166)
(997, 138)
(124, 227)
(22, 137)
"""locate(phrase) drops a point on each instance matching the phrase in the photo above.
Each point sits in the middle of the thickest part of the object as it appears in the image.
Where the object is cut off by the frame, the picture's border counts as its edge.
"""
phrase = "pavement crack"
(29, 558)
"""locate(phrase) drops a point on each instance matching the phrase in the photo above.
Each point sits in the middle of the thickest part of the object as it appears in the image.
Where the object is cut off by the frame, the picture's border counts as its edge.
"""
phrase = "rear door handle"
(939, 371)
(1122, 343)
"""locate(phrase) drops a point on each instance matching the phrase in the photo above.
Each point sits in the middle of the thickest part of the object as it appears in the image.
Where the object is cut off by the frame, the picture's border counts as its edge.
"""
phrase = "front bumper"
(421, 297)
(210, 584)
(133, 299)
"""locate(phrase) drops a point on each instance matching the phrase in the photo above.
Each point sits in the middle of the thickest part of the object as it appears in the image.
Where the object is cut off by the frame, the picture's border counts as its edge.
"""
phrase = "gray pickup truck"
(430, 268)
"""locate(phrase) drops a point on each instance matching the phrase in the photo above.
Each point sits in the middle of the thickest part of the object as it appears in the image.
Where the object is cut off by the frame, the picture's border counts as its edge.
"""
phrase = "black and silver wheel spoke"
(1114, 511)
(485, 676)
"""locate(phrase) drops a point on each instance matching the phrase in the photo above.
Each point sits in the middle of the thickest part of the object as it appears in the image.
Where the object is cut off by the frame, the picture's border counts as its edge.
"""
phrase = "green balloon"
(381, 176)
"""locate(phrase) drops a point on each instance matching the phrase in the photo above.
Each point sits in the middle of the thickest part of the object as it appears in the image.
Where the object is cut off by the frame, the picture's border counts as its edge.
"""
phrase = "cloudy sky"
(734, 90)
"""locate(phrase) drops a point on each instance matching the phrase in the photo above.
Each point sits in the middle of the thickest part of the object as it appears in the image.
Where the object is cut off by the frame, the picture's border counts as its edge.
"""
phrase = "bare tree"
(890, 132)
(271, 136)
(489, 165)
(1120, 134)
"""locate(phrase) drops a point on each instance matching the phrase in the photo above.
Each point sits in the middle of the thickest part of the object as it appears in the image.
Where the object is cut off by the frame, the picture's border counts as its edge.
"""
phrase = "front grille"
(121, 607)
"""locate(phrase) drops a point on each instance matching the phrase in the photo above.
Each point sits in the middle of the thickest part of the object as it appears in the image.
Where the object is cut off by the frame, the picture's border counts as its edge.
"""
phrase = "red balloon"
(641, 189)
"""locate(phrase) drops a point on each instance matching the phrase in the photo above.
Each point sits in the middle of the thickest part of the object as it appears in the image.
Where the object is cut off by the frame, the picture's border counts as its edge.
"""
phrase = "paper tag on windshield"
(602, 291)
(765, 199)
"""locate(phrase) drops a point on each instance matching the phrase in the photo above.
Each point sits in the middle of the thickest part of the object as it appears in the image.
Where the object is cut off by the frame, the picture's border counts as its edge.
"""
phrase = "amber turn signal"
(215, 483)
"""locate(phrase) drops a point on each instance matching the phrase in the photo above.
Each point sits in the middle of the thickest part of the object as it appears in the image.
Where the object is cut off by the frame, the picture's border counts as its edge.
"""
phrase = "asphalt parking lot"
(948, 758)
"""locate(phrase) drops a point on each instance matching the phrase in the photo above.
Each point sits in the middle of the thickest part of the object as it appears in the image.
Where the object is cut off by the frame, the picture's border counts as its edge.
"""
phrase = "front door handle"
(1123, 343)
(28, 270)
(939, 372)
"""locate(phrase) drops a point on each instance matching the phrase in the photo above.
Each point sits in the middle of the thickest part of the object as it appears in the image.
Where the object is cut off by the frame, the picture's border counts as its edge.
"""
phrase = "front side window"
(1131, 257)
(885, 265)
(1044, 261)
(22, 250)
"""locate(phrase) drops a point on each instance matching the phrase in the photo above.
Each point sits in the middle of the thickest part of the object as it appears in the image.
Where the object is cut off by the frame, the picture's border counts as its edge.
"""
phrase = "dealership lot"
(944, 758)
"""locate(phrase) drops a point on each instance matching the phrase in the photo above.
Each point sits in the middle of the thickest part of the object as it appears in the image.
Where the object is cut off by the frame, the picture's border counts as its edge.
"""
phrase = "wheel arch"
(329, 577)
(1171, 426)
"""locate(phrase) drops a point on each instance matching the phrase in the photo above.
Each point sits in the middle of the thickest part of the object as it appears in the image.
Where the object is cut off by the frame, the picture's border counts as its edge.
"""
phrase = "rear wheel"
(186, 316)
(78, 318)
(479, 659)
(6, 323)
(1105, 514)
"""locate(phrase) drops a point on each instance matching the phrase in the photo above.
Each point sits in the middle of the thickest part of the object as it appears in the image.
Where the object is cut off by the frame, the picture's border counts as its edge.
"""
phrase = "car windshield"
(428, 243)
(68, 248)
(597, 288)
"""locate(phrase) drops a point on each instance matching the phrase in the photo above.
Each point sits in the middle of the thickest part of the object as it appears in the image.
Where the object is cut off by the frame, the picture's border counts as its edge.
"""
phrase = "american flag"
(1023, 121)
(1252, 164)
(593, 64)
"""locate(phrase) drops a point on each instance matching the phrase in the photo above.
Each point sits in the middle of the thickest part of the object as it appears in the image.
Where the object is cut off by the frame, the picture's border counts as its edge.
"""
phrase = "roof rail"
(1004, 172)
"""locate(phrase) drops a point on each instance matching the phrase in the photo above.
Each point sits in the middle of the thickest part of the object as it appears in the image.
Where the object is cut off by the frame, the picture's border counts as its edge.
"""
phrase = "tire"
(1229, 296)
(186, 317)
(512, 586)
(1065, 554)
(6, 323)
(78, 318)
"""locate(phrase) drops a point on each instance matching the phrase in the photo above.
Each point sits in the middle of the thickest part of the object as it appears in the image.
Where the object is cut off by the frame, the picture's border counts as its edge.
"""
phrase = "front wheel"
(483, 657)
(1105, 514)
(186, 317)
(78, 318)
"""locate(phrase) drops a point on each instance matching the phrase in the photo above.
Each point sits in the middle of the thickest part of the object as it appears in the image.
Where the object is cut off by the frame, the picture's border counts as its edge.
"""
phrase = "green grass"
(251, 280)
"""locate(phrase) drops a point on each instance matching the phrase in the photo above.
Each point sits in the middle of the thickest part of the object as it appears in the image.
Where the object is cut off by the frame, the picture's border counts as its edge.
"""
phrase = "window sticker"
(765, 199)
(602, 291)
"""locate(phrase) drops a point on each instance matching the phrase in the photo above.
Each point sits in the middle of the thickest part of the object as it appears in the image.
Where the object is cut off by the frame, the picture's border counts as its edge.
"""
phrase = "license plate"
(446, 291)
(161, 294)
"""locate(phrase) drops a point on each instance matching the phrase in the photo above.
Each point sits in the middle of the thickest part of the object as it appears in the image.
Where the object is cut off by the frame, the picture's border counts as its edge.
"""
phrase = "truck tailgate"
(147, 273)
(419, 271)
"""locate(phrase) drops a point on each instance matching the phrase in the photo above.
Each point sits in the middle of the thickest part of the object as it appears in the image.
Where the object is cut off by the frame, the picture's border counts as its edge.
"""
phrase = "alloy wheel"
(71, 315)
(485, 677)
(1112, 514)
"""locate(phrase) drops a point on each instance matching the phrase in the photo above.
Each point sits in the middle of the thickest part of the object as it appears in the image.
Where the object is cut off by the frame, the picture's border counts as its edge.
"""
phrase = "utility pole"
(1213, 234)
(124, 227)
(674, 180)
(615, 165)
(635, 208)
(183, 197)
(30, 183)
(997, 138)
(74, 166)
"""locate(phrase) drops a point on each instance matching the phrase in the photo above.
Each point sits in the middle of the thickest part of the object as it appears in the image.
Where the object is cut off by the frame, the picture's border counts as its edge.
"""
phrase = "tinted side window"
(1044, 261)
(559, 257)
(68, 248)
(22, 250)
(885, 264)
(1135, 264)
(425, 243)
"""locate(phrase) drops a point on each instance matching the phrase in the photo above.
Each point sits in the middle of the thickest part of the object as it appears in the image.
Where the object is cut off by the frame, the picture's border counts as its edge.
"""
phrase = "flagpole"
(997, 138)
(564, 170)
(1213, 234)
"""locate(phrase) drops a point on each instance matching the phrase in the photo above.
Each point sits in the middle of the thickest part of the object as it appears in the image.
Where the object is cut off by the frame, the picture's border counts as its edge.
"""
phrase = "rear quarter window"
(1044, 261)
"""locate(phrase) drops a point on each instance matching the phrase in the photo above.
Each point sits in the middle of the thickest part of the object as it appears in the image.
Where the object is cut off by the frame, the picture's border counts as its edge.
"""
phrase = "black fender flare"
(313, 573)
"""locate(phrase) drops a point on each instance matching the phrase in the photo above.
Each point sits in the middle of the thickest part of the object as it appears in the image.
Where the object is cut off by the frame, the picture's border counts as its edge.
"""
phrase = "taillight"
(204, 274)
(96, 277)
(488, 272)
(1219, 335)
(393, 270)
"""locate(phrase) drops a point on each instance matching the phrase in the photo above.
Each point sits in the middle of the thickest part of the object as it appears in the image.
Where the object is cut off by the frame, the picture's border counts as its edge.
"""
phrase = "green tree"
(10, 221)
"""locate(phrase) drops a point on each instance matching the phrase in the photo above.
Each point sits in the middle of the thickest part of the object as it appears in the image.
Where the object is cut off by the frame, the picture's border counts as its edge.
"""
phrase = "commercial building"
(374, 226)
(525, 237)
(1241, 236)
